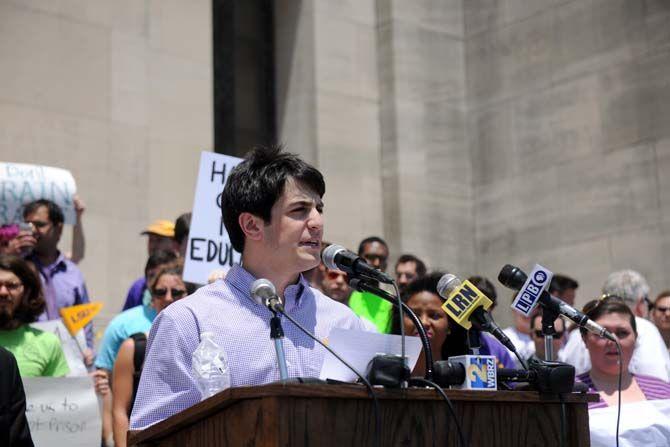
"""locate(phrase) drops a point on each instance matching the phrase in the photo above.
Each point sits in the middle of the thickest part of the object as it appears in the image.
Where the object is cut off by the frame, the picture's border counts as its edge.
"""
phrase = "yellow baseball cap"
(161, 228)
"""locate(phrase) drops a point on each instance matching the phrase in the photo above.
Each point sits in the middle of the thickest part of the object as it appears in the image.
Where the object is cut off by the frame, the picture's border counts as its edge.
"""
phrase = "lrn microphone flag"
(463, 301)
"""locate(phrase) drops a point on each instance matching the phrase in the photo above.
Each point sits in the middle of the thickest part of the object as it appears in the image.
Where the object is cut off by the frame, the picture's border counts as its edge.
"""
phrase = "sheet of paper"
(359, 347)
(645, 423)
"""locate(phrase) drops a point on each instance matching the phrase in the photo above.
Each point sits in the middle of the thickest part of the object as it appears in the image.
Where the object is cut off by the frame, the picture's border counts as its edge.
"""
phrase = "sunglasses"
(335, 274)
(558, 334)
(176, 293)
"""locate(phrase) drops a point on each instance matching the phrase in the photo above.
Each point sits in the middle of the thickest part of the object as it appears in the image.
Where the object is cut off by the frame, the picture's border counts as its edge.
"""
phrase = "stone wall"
(569, 119)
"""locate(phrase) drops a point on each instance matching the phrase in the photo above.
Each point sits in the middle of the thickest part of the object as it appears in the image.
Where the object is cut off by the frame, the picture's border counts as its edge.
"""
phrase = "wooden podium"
(298, 415)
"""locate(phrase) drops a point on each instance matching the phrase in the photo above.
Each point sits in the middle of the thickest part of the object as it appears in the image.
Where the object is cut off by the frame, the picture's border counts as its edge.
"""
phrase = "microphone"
(336, 257)
(467, 305)
(514, 278)
(264, 293)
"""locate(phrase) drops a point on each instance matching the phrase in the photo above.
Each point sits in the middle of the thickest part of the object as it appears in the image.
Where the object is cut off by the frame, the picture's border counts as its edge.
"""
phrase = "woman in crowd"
(612, 313)
(166, 288)
(37, 353)
(447, 338)
(661, 316)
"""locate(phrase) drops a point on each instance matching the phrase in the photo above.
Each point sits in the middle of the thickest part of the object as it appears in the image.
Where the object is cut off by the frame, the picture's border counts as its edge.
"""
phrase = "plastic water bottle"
(210, 366)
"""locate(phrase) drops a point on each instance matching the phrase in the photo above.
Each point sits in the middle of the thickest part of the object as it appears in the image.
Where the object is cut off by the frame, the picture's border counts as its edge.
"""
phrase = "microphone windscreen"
(512, 277)
(447, 284)
(328, 256)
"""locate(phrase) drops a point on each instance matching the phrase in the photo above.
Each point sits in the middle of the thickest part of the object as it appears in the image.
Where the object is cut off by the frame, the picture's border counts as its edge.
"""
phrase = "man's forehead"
(407, 265)
(39, 213)
(296, 191)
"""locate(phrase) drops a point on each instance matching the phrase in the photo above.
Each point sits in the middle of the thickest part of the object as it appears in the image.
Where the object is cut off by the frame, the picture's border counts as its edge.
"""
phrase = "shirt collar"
(59, 265)
(239, 278)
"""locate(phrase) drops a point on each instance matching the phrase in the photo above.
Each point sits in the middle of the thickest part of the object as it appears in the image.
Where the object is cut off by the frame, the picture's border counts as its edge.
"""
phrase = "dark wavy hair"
(456, 341)
(255, 185)
(32, 301)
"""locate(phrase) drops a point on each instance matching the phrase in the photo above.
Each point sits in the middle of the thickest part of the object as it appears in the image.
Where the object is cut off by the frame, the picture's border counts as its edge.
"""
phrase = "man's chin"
(6, 317)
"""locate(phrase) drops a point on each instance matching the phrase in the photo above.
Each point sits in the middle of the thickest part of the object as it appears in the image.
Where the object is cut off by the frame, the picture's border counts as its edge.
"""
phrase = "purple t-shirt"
(651, 387)
(491, 346)
(135, 293)
(63, 286)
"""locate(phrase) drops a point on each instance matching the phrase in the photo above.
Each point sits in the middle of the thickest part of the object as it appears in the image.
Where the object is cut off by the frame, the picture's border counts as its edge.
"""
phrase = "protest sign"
(62, 411)
(209, 247)
(72, 346)
(23, 183)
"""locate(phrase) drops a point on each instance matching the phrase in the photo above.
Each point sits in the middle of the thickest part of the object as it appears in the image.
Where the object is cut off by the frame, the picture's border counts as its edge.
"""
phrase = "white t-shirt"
(650, 357)
(523, 343)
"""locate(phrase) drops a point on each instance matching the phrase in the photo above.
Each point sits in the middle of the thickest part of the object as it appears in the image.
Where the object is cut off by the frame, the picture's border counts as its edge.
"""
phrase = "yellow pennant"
(76, 317)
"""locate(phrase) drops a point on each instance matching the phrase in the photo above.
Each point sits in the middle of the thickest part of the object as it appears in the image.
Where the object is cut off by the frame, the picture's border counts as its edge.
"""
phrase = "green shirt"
(372, 308)
(37, 353)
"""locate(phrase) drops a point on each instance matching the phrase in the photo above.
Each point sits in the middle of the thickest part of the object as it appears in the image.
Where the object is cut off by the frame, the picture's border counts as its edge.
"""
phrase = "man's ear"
(251, 225)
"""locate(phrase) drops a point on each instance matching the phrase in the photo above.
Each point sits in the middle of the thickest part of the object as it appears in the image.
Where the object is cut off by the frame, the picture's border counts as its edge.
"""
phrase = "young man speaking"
(272, 211)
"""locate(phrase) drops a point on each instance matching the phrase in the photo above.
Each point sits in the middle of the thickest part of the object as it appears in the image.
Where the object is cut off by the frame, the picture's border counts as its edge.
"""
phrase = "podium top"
(341, 391)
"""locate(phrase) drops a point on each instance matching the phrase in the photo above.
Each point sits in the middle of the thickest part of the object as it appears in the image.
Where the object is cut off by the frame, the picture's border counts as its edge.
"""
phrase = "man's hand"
(100, 381)
(79, 206)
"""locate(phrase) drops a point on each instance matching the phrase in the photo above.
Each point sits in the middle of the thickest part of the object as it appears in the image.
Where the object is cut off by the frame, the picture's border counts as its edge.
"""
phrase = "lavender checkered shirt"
(242, 329)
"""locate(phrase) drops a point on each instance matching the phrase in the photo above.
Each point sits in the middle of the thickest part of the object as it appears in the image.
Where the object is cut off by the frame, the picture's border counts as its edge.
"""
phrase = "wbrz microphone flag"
(480, 372)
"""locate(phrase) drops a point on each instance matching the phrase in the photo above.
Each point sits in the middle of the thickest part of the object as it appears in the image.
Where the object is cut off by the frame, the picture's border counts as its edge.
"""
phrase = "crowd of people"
(272, 209)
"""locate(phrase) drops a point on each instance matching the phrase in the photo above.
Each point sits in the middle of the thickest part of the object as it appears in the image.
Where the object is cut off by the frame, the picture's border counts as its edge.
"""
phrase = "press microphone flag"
(529, 295)
(462, 301)
(466, 304)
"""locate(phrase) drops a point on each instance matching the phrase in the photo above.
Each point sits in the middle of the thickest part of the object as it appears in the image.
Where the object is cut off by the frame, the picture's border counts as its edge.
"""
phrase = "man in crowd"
(564, 287)
(182, 227)
(62, 281)
(272, 205)
(407, 269)
(38, 353)
(160, 236)
(650, 356)
(367, 305)
(538, 337)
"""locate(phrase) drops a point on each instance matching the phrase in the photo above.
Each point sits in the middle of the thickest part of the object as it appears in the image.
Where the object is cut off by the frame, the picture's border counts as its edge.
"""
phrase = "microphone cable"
(362, 286)
(618, 411)
(402, 324)
(451, 413)
(378, 421)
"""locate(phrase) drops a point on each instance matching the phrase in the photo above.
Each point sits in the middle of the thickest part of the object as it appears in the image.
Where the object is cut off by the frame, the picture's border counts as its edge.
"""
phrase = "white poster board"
(645, 423)
(208, 246)
(73, 354)
(62, 411)
(22, 183)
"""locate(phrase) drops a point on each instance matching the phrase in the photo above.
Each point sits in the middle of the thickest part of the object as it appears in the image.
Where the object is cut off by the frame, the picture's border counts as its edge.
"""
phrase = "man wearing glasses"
(538, 337)
(366, 305)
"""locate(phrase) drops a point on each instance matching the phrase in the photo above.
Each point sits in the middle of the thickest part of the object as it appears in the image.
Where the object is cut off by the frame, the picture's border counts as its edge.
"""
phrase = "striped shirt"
(651, 387)
(242, 329)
